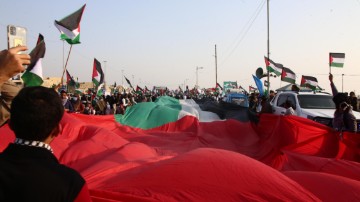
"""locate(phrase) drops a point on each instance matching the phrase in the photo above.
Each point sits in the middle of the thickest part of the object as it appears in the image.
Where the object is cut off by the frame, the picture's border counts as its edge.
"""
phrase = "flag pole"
(62, 77)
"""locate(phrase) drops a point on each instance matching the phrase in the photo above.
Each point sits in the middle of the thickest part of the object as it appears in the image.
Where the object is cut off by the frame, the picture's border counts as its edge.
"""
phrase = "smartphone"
(16, 36)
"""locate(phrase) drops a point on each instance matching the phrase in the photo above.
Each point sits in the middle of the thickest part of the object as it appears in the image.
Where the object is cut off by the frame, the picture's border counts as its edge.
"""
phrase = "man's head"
(340, 98)
(35, 113)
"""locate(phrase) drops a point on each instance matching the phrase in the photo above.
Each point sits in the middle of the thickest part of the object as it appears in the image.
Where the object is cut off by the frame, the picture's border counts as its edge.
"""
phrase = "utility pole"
(268, 48)
(197, 68)
(215, 67)
(122, 77)
(105, 75)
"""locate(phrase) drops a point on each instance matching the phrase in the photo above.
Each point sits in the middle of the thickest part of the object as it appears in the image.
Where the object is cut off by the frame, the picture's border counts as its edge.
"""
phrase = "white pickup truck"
(317, 106)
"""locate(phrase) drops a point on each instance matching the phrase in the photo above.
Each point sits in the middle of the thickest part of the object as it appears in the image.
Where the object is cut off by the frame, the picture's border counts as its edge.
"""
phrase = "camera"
(13, 30)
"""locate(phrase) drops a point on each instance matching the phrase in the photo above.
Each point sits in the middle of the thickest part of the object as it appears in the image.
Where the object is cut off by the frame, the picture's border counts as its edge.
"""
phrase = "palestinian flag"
(288, 76)
(98, 74)
(33, 74)
(219, 86)
(337, 59)
(69, 26)
(100, 90)
(128, 81)
(139, 90)
(251, 88)
(70, 80)
(273, 67)
(309, 82)
(293, 157)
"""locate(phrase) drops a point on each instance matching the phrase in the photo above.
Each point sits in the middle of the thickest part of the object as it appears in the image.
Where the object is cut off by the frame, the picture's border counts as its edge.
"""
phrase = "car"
(317, 106)
(236, 99)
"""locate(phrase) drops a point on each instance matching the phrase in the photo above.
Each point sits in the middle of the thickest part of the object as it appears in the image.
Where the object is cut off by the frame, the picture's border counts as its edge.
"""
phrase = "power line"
(246, 29)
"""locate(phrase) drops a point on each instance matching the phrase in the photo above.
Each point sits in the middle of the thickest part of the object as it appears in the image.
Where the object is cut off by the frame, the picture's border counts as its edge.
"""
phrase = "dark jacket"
(30, 173)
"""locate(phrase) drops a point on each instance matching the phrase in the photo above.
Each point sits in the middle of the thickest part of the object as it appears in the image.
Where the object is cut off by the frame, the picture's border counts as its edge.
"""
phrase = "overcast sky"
(161, 42)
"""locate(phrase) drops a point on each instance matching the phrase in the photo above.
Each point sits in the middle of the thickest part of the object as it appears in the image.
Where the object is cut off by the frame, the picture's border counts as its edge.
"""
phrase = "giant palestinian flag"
(97, 74)
(273, 67)
(309, 81)
(33, 74)
(69, 26)
(191, 155)
(337, 59)
(287, 75)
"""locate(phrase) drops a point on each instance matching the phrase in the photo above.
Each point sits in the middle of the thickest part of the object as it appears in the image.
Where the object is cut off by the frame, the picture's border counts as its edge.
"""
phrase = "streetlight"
(197, 69)
(105, 75)
(342, 82)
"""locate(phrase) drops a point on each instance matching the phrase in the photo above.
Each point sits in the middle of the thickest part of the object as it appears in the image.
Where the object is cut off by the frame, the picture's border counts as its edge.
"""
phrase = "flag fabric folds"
(337, 59)
(189, 159)
(309, 82)
(69, 26)
(97, 74)
(259, 85)
(288, 75)
(271, 66)
(33, 74)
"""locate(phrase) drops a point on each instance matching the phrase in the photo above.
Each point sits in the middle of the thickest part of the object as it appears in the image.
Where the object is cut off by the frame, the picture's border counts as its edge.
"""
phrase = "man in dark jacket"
(344, 118)
(29, 171)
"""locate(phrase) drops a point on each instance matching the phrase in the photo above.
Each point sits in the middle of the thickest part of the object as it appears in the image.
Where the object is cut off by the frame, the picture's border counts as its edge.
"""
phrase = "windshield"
(239, 101)
(316, 101)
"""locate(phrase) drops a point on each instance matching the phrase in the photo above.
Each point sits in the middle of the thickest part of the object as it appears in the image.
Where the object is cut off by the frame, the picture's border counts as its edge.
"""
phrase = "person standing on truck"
(344, 119)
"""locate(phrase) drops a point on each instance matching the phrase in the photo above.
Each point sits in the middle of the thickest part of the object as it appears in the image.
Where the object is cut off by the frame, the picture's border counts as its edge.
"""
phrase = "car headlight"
(325, 121)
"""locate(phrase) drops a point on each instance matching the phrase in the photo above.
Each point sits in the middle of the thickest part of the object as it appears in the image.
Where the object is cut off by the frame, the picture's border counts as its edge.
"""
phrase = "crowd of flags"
(287, 75)
(69, 28)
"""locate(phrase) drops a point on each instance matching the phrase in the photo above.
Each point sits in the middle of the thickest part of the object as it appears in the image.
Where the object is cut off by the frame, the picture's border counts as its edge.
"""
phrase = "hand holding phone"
(12, 63)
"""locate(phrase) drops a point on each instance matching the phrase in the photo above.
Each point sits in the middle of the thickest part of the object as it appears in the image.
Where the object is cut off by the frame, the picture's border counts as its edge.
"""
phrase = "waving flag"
(273, 67)
(33, 74)
(337, 59)
(288, 75)
(98, 74)
(139, 89)
(69, 26)
(128, 81)
(70, 80)
(309, 81)
(219, 86)
(259, 85)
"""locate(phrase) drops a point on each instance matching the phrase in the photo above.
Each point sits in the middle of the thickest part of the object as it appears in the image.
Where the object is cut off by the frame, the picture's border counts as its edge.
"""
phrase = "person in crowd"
(289, 108)
(29, 171)
(66, 102)
(344, 118)
(265, 105)
(271, 95)
(354, 101)
(253, 101)
(295, 88)
(89, 110)
(78, 104)
(11, 64)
